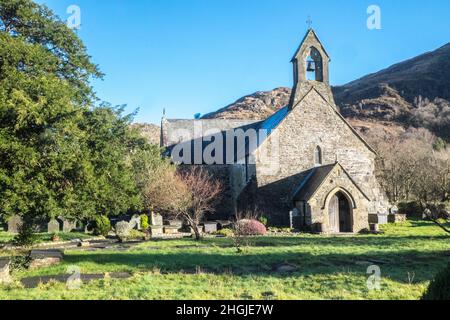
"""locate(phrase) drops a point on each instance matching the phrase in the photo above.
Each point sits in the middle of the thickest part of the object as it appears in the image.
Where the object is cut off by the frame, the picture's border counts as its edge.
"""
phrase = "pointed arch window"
(318, 161)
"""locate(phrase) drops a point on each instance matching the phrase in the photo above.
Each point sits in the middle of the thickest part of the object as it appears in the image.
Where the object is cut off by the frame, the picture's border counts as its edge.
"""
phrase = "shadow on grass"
(394, 265)
(335, 241)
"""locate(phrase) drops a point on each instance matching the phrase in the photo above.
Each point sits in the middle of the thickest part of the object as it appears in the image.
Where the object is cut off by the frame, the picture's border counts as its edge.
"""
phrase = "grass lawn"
(409, 255)
(45, 237)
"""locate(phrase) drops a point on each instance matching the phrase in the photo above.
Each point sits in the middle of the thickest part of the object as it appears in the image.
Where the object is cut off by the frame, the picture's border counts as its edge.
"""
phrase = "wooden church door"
(333, 211)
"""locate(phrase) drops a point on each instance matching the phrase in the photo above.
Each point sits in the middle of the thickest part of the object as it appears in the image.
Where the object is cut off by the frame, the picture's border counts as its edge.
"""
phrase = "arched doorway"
(340, 213)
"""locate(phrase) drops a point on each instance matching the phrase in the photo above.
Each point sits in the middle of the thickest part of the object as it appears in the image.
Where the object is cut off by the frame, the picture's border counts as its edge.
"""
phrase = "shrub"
(224, 232)
(136, 235)
(26, 236)
(439, 288)
(251, 227)
(144, 222)
(263, 220)
(101, 226)
(122, 230)
(20, 262)
(411, 209)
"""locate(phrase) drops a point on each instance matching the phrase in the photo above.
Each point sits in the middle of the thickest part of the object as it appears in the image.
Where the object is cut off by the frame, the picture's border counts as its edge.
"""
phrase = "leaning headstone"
(53, 226)
(135, 222)
(156, 219)
(14, 224)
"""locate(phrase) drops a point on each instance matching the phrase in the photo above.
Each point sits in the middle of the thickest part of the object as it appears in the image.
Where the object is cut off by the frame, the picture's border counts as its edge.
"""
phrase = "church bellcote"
(311, 69)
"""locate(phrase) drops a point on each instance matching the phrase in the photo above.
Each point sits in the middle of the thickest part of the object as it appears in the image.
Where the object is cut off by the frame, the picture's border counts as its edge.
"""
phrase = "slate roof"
(311, 183)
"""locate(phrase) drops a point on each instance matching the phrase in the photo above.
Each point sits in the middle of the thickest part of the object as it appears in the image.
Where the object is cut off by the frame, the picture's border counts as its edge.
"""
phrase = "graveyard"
(279, 265)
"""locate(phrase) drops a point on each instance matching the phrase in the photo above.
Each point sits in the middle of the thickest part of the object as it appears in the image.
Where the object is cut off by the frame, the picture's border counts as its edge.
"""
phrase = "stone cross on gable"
(309, 22)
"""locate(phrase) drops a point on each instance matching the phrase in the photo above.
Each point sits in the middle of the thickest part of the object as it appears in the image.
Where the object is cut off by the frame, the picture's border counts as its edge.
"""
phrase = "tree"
(204, 193)
(60, 155)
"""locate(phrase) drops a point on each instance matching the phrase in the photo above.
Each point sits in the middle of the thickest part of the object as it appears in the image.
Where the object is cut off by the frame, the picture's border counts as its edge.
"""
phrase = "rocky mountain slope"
(259, 105)
(151, 132)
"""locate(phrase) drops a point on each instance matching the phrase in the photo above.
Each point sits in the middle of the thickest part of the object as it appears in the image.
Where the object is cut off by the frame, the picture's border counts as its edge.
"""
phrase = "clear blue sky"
(195, 56)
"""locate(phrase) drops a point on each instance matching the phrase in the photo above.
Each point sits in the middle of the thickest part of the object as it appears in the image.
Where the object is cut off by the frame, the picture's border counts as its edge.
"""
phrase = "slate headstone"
(53, 226)
(14, 224)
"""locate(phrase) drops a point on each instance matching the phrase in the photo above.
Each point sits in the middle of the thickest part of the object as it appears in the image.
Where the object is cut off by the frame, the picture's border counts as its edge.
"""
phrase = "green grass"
(409, 255)
(6, 237)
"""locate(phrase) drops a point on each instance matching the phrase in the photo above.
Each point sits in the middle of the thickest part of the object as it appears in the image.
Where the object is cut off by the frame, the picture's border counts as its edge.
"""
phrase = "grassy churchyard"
(271, 267)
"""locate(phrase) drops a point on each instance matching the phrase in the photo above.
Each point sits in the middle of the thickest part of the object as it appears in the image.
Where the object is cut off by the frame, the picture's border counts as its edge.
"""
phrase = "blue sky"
(195, 56)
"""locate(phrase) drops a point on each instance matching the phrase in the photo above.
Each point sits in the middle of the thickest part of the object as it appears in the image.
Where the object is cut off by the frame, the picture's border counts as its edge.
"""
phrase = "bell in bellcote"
(311, 66)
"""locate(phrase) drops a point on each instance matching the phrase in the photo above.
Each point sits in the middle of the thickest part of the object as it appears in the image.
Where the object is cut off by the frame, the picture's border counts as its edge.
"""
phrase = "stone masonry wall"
(315, 123)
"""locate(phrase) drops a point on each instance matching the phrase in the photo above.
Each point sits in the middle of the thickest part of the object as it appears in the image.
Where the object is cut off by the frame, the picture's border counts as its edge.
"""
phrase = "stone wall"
(226, 204)
(338, 181)
(315, 123)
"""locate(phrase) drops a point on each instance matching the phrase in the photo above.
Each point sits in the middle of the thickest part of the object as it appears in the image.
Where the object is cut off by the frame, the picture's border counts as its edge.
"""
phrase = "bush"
(144, 222)
(263, 220)
(101, 226)
(136, 235)
(26, 236)
(251, 227)
(224, 232)
(411, 209)
(122, 230)
(20, 262)
(439, 288)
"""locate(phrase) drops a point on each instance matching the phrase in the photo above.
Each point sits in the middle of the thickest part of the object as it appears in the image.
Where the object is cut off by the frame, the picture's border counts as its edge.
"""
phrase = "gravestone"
(175, 223)
(210, 227)
(45, 258)
(170, 230)
(67, 225)
(394, 210)
(14, 224)
(53, 226)
(156, 219)
(5, 277)
(156, 230)
(135, 222)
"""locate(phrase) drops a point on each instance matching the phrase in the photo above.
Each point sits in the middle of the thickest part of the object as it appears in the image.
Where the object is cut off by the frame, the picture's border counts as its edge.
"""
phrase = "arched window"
(318, 156)
(314, 66)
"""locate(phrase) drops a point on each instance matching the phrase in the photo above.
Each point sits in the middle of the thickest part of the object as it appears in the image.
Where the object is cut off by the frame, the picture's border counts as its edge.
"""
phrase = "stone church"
(309, 168)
